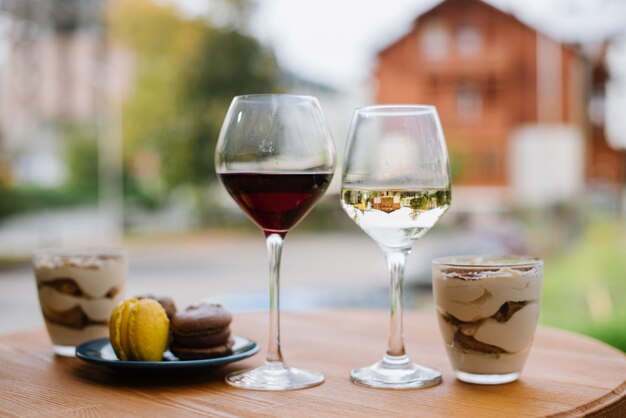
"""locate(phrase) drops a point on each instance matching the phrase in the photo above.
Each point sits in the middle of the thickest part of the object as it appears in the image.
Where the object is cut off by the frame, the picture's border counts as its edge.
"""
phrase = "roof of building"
(593, 51)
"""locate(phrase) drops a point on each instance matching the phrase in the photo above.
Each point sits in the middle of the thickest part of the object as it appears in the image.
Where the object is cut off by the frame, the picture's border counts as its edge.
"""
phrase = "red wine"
(276, 201)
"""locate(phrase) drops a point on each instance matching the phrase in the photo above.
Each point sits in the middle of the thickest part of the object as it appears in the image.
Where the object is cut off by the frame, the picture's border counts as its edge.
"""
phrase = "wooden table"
(566, 375)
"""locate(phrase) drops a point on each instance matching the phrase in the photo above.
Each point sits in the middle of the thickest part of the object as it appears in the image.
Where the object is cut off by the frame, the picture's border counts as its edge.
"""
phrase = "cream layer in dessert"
(487, 316)
(78, 293)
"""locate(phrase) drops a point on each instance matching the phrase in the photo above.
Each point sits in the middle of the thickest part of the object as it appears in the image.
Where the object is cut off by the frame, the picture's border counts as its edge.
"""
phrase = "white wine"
(395, 218)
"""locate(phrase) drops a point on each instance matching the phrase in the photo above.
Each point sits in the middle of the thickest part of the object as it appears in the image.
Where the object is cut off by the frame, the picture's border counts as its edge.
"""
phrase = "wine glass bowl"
(275, 157)
(395, 187)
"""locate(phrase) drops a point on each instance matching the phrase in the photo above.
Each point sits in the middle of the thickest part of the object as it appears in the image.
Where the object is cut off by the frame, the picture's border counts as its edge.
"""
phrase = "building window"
(491, 93)
(434, 82)
(469, 102)
(434, 40)
(597, 104)
(469, 40)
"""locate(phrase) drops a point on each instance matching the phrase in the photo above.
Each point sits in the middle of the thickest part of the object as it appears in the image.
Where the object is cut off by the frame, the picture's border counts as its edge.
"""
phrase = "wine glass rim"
(397, 109)
(263, 96)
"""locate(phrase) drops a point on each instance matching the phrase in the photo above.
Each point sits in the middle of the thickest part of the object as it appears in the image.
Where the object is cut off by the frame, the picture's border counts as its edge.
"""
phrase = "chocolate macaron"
(201, 331)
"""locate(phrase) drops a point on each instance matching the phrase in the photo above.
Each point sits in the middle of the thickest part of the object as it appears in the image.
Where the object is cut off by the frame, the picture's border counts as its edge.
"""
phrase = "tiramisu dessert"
(487, 309)
(78, 290)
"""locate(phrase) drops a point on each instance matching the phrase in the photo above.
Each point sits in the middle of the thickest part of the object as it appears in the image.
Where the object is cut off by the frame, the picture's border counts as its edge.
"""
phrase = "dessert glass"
(78, 289)
(488, 308)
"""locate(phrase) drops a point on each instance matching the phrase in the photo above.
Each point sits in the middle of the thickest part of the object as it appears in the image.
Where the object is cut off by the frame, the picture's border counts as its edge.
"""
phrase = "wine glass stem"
(274, 249)
(396, 259)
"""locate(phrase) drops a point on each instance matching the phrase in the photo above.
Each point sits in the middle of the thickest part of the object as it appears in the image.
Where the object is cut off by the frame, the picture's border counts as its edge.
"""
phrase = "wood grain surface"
(566, 375)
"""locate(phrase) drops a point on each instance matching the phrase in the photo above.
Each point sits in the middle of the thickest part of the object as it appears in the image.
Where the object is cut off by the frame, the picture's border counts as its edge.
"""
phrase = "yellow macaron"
(139, 330)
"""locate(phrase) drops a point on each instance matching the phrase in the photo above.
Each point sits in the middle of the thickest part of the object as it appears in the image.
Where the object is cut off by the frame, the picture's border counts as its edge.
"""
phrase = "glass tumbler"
(488, 308)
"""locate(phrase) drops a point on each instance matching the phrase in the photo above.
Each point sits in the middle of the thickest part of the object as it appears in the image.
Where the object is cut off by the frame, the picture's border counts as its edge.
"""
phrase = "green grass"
(585, 287)
(23, 199)
(12, 261)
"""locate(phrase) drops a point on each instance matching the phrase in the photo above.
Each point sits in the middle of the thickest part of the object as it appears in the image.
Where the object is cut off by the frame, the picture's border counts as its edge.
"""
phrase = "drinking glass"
(488, 308)
(275, 157)
(78, 289)
(395, 187)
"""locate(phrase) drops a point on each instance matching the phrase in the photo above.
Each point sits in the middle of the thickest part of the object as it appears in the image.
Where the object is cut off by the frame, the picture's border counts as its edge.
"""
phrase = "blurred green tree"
(81, 157)
(8, 201)
(186, 73)
(228, 64)
(80, 186)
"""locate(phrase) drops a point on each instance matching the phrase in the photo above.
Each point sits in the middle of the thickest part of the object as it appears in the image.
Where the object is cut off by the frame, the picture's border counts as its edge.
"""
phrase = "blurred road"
(21, 233)
(318, 270)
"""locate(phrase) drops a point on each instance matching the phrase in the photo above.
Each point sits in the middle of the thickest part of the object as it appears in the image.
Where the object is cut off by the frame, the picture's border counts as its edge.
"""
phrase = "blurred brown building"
(489, 74)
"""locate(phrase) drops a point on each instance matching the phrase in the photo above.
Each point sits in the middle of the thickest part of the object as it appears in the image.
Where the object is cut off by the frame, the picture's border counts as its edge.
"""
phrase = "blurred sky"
(334, 41)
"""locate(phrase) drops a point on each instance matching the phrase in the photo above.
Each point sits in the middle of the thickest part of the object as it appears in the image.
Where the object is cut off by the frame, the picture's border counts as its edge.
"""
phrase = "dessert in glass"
(78, 289)
(488, 308)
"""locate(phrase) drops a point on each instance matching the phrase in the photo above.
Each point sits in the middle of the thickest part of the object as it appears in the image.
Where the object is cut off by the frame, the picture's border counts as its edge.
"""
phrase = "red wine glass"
(275, 157)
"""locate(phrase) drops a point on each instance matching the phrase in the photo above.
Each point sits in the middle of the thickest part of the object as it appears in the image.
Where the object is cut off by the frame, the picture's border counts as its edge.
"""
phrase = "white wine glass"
(275, 156)
(395, 187)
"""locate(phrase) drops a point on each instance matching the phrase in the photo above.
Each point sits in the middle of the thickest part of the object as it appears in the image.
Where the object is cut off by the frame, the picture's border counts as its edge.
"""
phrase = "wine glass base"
(396, 373)
(274, 377)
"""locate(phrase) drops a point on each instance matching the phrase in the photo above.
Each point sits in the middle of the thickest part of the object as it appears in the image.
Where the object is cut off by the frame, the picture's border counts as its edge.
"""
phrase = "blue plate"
(100, 352)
